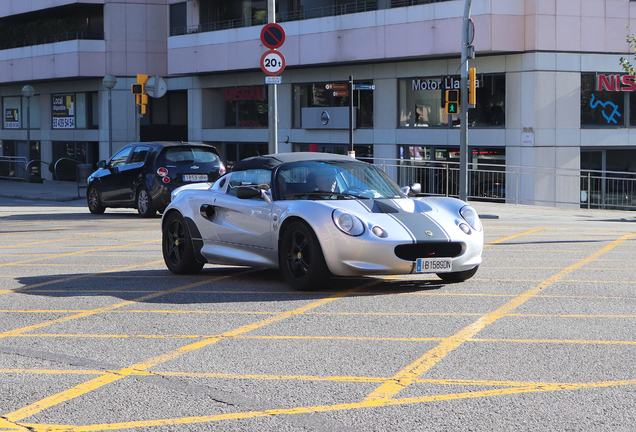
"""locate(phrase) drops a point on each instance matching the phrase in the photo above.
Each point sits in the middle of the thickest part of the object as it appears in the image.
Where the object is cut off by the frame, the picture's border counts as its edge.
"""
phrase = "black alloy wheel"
(94, 202)
(178, 251)
(300, 258)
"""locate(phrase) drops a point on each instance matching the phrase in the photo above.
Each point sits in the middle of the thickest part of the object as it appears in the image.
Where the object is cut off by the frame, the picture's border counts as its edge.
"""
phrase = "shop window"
(319, 96)
(421, 102)
(601, 108)
(246, 107)
(75, 111)
(15, 112)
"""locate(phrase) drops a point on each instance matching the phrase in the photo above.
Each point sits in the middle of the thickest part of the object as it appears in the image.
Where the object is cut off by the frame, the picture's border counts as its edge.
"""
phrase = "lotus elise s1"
(313, 215)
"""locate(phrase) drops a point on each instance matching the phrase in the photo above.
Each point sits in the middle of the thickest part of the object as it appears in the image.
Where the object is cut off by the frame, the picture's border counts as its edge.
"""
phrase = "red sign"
(272, 36)
(245, 93)
(273, 62)
(616, 82)
(337, 86)
(341, 93)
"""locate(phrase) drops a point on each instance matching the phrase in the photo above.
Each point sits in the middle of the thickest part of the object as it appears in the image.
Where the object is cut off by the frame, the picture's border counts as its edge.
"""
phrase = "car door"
(244, 221)
(109, 179)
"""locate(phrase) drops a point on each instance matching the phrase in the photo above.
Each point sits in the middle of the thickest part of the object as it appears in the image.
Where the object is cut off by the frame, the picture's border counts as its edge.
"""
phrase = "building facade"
(538, 66)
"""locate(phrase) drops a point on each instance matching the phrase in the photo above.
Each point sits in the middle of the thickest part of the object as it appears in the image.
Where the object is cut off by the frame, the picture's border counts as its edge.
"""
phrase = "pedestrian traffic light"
(452, 102)
(472, 86)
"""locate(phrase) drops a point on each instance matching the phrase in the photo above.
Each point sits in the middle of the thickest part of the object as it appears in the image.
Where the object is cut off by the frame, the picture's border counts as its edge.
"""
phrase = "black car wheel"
(458, 276)
(144, 203)
(301, 260)
(94, 202)
(178, 252)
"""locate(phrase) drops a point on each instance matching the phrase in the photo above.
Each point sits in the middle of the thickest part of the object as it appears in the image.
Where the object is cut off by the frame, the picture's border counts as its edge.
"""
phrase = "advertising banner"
(63, 112)
(11, 118)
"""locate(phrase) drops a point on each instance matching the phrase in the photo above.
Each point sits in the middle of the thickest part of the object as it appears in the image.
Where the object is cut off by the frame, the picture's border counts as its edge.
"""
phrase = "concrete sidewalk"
(59, 191)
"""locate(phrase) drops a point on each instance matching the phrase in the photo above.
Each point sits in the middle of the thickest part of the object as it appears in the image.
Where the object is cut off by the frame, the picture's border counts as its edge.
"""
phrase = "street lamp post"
(109, 82)
(28, 92)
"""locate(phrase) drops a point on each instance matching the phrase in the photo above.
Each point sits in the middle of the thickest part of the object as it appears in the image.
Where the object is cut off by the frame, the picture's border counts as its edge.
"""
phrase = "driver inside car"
(326, 180)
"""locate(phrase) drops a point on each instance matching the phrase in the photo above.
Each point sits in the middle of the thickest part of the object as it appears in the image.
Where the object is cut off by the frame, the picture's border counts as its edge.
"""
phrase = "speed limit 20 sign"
(273, 62)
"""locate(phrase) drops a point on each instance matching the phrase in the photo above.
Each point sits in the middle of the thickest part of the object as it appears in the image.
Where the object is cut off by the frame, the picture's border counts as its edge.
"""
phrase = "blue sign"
(363, 87)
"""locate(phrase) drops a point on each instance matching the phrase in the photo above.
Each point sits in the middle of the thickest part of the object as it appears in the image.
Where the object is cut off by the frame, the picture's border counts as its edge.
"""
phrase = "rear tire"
(301, 260)
(94, 202)
(178, 250)
(144, 203)
(458, 276)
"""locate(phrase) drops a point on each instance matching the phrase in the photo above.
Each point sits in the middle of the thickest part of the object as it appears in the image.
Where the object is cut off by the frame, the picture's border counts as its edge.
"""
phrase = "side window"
(258, 178)
(120, 158)
(140, 153)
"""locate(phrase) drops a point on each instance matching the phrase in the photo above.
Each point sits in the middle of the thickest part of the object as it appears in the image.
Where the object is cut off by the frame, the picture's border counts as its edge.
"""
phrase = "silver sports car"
(313, 215)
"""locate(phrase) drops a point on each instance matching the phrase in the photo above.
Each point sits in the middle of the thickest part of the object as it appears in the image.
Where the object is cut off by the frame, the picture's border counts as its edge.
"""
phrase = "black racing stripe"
(418, 224)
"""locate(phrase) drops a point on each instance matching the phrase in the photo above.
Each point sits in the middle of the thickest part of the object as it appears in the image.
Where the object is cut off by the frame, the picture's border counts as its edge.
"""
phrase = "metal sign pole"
(352, 152)
(272, 96)
(463, 136)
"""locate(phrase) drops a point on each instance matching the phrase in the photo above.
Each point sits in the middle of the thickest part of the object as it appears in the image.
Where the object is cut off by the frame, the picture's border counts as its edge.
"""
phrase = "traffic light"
(139, 90)
(452, 102)
(472, 86)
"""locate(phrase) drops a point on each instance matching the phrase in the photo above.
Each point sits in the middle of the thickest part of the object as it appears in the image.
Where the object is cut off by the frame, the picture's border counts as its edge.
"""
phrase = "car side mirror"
(246, 192)
(412, 190)
(101, 164)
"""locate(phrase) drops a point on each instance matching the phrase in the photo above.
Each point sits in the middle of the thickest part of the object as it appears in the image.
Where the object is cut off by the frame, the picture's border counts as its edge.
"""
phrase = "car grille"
(411, 252)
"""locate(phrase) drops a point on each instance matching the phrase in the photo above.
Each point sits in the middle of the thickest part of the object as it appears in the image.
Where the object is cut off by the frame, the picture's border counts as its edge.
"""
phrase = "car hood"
(422, 218)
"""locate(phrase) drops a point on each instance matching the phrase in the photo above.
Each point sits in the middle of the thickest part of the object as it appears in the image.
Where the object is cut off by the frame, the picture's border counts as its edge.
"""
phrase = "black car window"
(140, 153)
(189, 155)
(120, 158)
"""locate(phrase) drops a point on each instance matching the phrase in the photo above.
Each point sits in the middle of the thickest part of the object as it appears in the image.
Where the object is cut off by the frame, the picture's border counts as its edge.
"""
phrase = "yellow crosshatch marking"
(387, 387)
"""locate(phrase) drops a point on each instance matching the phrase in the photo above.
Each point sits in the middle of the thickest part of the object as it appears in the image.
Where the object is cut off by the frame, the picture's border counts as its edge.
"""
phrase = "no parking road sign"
(273, 62)
(272, 36)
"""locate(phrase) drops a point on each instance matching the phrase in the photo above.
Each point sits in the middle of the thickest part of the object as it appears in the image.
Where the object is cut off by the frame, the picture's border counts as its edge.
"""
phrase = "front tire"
(95, 205)
(300, 258)
(144, 203)
(458, 276)
(178, 250)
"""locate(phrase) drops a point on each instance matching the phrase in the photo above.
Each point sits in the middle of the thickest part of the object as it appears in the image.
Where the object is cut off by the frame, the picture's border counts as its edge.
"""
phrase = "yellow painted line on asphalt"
(513, 236)
(557, 341)
(16, 332)
(78, 253)
(117, 375)
(264, 377)
(407, 375)
(329, 408)
(68, 239)
(30, 287)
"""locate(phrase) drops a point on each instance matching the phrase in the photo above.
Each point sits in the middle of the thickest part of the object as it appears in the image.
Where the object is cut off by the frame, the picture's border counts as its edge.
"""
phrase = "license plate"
(434, 265)
(195, 177)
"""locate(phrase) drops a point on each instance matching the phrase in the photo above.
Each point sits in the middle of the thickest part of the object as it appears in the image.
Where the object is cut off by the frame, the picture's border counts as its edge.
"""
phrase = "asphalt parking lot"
(96, 334)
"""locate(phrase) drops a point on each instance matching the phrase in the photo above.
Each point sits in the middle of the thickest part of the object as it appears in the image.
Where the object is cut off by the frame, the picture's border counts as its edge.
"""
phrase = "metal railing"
(13, 167)
(519, 184)
(302, 14)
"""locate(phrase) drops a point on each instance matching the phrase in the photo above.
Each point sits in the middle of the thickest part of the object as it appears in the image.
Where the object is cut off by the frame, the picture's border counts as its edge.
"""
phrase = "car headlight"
(470, 216)
(347, 223)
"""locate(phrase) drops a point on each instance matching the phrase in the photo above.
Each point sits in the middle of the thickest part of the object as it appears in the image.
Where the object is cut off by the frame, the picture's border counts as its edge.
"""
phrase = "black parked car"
(142, 175)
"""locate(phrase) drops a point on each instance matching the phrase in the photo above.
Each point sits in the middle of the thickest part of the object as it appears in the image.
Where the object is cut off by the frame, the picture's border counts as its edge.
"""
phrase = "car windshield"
(174, 155)
(334, 180)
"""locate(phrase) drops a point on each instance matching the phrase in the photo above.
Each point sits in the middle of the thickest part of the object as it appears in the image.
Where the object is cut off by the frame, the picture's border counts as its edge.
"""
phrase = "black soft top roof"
(269, 162)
